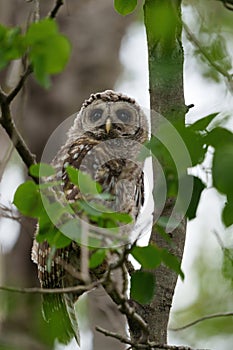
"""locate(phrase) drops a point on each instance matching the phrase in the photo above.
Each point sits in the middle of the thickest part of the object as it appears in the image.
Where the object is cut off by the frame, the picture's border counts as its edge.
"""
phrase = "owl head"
(107, 115)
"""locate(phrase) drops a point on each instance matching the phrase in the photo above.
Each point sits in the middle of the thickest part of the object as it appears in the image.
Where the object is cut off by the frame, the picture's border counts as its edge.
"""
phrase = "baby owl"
(104, 142)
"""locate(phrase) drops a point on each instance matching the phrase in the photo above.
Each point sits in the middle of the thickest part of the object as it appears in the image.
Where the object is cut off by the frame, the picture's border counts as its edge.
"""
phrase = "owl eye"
(95, 115)
(124, 115)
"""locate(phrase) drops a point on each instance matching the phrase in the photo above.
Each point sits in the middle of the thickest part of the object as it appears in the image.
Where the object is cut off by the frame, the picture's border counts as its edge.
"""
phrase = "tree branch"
(228, 5)
(207, 56)
(54, 11)
(9, 213)
(204, 318)
(73, 289)
(124, 306)
(148, 345)
(19, 85)
(8, 124)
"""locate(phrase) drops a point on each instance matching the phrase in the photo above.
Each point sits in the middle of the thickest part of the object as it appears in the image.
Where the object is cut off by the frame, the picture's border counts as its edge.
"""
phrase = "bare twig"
(70, 269)
(219, 240)
(125, 285)
(37, 10)
(123, 303)
(207, 56)
(119, 337)
(19, 85)
(228, 4)
(9, 213)
(148, 345)
(73, 289)
(8, 124)
(84, 252)
(54, 11)
(201, 319)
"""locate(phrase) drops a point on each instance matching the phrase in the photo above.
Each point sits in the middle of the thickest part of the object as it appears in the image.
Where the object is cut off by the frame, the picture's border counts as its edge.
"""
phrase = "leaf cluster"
(59, 221)
(143, 281)
(45, 47)
(197, 138)
(125, 7)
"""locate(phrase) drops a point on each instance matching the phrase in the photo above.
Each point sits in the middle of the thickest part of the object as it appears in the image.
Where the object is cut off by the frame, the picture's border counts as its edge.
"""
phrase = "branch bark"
(54, 11)
(148, 345)
(8, 124)
(201, 319)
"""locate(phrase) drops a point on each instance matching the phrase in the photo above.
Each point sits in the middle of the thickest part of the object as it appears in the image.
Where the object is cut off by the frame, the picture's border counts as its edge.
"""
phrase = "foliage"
(48, 51)
(40, 201)
(124, 7)
(198, 137)
(142, 287)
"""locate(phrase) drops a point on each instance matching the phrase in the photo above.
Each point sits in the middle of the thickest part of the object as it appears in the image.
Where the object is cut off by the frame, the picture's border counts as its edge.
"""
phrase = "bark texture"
(165, 53)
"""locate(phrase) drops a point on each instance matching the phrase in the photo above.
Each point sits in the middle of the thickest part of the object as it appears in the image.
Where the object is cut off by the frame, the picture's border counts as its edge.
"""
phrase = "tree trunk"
(163, 26)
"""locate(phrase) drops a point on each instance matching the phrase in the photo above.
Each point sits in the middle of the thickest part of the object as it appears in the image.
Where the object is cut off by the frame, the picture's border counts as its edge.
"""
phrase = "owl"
(104, 143)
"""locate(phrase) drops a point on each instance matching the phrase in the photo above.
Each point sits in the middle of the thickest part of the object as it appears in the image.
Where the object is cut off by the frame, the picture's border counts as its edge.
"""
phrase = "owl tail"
(58, 310)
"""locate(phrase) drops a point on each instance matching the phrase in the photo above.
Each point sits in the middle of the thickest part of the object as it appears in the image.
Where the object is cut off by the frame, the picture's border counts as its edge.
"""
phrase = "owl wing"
(58, 309)
(139, 192)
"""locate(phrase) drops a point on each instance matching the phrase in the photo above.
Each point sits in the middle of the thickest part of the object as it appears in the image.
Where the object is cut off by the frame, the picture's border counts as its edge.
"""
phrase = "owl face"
(104, 120)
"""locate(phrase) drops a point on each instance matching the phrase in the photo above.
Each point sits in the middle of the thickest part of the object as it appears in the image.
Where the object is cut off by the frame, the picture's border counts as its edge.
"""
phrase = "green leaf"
(222, 168)
(161, 153)
(162, 233)
(193, 140)
(124, 7)
(118, 217)
(97, 258)
(49, 50)
(198, 187)
(46, 227)
(41, 169)
(12, 45)
(227, 214)
(172, 262)
(149, 257)
(201, 124)
(142, 287)
(219, 137)
(58, 240)
(84, 181)
(49, 232)
(28, 200)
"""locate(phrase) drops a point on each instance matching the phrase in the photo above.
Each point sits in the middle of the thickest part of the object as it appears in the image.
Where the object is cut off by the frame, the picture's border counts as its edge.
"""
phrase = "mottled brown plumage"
(104, 142)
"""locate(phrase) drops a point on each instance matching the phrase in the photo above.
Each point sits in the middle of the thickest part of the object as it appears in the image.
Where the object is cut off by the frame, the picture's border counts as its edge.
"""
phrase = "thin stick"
(54, 11)
(207, 56)
(19, 85)
(204, 318)
(51, 290)
(149, 345)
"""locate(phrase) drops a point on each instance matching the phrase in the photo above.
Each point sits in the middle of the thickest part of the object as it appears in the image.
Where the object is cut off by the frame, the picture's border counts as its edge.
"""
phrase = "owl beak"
(108, 125)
